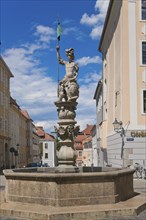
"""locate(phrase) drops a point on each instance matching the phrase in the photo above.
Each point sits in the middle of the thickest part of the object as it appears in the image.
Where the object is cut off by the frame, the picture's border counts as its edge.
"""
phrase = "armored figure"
(68, 87)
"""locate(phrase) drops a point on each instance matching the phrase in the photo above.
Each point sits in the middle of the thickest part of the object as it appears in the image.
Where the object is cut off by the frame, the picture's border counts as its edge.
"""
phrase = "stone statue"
(68, 92)
(68, 87)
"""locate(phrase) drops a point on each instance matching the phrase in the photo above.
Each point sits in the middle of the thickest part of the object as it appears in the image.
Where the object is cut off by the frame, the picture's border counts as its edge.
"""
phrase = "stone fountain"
(67, 192)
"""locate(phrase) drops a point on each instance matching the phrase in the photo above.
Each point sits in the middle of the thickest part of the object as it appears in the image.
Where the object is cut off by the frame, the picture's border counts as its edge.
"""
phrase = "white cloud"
(74, 31)
(19, 60)
(102, 6)
(88, 60)
(90, 78)
(45, 33)
(66, 31)
(86, 109)
(30, 87)
(89, 20)
(96, 32)
(96, 20)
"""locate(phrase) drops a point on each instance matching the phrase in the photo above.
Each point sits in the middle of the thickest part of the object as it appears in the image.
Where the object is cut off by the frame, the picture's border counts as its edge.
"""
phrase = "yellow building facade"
(123, 48)
(5, 75)
(16, 127)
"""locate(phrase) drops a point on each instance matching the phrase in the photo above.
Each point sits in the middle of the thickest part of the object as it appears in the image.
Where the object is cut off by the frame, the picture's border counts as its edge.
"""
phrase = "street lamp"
(18, 154)
(118, 128)
(12, 149)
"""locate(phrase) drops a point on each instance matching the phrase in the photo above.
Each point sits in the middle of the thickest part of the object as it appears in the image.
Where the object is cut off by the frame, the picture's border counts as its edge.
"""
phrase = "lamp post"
(17, 155)
(118, 128)
(12, 149)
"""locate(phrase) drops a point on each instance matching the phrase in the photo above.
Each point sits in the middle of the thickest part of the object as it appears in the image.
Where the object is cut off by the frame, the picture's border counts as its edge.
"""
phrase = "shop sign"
(138, 134)
(130, 139)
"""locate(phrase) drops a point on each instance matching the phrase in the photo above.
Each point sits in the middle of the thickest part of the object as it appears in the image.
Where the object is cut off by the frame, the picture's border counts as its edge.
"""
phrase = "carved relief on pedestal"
(66, 113)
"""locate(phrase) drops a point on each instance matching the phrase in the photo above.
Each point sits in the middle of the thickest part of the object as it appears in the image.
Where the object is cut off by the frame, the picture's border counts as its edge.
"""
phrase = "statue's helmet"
(70, 52)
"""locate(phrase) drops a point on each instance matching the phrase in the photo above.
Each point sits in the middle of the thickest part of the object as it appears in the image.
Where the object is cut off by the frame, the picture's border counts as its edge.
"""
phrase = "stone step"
(130, 207)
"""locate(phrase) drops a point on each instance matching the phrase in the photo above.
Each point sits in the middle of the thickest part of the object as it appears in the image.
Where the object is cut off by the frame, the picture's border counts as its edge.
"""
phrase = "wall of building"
(5, 75)
(15, 127)
(49, 153)
(125, 80)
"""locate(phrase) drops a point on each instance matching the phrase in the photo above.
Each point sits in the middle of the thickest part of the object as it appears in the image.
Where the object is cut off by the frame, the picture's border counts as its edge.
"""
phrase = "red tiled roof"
(40, 131)
(79, 138)
(43, 135)
(83, 137)
(87, 130)
(49, 137)
(25, 113)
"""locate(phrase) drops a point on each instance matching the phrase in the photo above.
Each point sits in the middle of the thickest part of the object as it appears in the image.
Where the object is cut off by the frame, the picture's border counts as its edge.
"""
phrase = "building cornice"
(105, 24)
(2, 60)
(98, 89)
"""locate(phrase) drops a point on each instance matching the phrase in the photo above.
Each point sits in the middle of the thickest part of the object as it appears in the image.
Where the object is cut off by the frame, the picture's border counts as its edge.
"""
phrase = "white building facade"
(48, 156)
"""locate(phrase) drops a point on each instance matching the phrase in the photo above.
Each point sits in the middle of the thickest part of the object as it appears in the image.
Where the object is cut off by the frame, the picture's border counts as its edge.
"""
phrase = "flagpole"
(58, 73)
(59, 31)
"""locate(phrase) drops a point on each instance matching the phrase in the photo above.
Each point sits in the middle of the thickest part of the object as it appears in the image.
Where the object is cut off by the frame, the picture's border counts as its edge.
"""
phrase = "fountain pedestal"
(66, 132)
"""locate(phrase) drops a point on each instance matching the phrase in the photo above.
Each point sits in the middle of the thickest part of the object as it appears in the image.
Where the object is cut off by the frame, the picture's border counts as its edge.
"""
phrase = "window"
(1, 98)
(88, 145)
(143, 9)
(144, 52)
(46, 145)
(6, 125)
(46, 155)
(80, 153)
(1, 123)
(144, 101)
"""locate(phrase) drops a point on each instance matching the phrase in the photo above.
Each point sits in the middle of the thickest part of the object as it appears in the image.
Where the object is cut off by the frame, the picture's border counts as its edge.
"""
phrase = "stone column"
(66, 131)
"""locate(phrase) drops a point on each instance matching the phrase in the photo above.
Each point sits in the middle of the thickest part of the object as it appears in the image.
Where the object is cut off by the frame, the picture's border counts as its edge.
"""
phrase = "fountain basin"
(46, 187)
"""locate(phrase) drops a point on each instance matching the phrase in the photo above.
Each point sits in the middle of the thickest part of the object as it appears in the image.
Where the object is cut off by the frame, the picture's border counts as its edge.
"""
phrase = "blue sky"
(28, 46)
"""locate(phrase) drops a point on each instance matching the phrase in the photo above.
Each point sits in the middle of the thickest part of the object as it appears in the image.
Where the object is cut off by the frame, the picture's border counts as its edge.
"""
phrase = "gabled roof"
(43, 135)
(82, 137)
(49, 137)
(79, 138)
(40, 131)
(87, 130)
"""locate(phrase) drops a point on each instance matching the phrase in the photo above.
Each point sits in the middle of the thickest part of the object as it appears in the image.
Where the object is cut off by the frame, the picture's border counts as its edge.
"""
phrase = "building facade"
(16, 127)
(35, 147)
(5, 75)
(123, 48)
(84, 148)
(21, 133)
(47, 145)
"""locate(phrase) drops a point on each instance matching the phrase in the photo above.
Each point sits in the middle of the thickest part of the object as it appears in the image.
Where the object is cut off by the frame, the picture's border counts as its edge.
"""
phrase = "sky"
(28, 46)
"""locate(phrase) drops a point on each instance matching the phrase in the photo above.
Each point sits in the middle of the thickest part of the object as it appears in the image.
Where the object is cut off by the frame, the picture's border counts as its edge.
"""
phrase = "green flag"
(59, 31)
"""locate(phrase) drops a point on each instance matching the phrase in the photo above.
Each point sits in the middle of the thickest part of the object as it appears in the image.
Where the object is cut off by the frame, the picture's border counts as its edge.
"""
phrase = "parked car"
(33, 164)
(45, 165)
